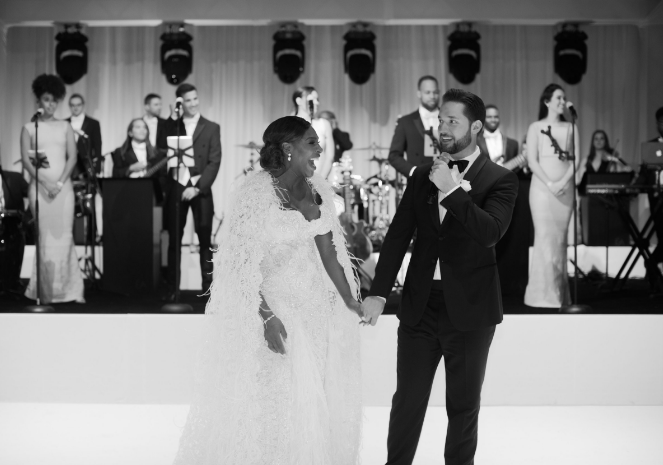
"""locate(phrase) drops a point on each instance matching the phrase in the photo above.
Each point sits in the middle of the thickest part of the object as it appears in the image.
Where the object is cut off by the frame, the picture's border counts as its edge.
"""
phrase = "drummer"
(13, 189)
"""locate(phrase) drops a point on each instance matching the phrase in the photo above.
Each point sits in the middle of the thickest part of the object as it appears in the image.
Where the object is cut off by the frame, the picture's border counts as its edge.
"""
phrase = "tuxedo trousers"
(420, 349)
(203, 214)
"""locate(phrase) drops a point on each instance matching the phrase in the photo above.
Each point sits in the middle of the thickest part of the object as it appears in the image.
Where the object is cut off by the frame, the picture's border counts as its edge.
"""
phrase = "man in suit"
(13, 189)
(513, 250)
(451, 299)
(410, 135)
(87, 133)
(155, 123)
(492, 142)
(196, 193)
(342, 140)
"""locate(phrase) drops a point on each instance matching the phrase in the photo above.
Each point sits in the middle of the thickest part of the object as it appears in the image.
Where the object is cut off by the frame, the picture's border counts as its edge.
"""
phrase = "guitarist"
(137, 154)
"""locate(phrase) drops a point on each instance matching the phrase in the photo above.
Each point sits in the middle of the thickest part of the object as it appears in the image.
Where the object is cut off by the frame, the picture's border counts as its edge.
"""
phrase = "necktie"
(461, 164)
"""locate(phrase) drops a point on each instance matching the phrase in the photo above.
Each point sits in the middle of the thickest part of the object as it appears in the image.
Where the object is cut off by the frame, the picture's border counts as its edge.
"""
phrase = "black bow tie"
(461, 164)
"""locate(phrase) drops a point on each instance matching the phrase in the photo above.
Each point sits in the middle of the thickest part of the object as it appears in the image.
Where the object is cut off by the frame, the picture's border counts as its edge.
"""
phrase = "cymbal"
(379, 160)
(373, 146)
(250, 145)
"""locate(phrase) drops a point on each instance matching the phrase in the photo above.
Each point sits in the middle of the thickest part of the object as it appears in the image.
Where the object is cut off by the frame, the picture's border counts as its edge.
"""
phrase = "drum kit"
(374, 199)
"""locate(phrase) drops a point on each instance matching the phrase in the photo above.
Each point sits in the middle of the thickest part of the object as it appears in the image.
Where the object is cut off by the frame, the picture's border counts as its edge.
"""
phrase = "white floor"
(94, 434)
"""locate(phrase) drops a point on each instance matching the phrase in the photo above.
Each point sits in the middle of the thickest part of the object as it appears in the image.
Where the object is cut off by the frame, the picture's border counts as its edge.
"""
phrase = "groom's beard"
(456, 146)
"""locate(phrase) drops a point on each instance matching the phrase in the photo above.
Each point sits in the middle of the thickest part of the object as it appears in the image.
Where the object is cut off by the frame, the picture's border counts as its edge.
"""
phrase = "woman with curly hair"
(60, 277)
(279, 378)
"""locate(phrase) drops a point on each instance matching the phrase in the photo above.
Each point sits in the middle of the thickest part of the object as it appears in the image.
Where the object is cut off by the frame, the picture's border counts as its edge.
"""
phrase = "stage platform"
(114, 389)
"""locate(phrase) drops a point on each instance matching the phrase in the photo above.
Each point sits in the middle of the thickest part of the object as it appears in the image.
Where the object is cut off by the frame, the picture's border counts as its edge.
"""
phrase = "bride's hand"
(274, 329)
(354, 306)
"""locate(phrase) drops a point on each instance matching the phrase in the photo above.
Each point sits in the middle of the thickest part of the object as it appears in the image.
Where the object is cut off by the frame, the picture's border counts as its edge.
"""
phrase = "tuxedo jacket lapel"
(199, 128)
(419, 125)
(476, 167)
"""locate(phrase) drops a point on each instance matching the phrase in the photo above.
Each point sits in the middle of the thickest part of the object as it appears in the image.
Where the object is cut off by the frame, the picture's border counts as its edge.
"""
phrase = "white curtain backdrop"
(238, 89)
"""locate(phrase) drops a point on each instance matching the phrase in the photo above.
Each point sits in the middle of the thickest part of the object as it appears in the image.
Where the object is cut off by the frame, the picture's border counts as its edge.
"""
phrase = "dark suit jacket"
(92, 129)
(342, 143)
(122, 163)
(510, 146)
(408, 138)
(206, 150)
(15, 188)
(464, 244)
(162, 134)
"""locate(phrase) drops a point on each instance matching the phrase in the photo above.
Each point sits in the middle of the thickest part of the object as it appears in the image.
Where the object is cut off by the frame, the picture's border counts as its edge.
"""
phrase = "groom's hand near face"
(372, 308)
(440, 175)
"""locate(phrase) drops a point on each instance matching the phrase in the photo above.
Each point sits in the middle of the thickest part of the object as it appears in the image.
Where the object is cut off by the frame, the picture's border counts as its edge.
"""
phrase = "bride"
(278, 380)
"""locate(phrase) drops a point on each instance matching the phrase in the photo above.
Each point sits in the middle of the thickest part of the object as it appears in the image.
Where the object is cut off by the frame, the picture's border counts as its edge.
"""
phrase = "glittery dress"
(252, 406)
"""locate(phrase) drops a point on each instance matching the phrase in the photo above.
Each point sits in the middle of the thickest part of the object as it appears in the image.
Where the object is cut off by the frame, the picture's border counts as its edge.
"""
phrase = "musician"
(492, 142)
(87, 133)
(136, 154)
(13, 189)
(409, 136)
(155, 123)
(342, 140)
(649, 177)
(197, 194)
(602, 158)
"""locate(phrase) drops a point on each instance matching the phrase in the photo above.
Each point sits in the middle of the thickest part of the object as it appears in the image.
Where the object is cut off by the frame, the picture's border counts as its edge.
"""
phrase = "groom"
(451, 298)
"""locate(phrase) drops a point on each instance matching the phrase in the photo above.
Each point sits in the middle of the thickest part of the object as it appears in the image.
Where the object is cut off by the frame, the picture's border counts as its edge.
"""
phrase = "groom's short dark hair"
(474, 109)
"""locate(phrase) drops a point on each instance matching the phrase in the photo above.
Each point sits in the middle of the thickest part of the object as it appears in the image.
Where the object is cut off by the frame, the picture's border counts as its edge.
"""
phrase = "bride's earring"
(289, 157)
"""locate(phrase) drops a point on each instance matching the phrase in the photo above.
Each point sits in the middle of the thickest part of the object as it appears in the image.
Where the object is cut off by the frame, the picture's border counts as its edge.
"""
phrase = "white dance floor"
(79, 434)
(114, 389)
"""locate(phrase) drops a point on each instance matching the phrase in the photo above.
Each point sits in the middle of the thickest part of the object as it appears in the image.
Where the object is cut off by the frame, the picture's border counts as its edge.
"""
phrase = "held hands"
(189, 193)
(440, 175)
(556, 187)
(354, 306)
(372, 308)
(52, 188)
(274, 329)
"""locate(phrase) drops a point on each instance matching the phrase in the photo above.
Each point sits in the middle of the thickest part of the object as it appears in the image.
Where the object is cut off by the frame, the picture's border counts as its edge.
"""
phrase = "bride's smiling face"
(304, 151)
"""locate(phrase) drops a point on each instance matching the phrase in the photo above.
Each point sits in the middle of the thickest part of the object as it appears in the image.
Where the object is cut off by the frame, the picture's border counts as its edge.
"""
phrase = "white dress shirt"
(190, 124)
(494, 143)
(440, 196)
(152, 123)
(77, 124)
(141, 154)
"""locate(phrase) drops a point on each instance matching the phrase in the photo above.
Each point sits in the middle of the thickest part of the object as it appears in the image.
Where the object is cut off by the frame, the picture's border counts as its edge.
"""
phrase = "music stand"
(178, 153)
(37, 162)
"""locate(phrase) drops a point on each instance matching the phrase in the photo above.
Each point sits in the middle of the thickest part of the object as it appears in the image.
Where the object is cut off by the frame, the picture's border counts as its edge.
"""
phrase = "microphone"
(36, 116)
(572, 110)
(178, 104)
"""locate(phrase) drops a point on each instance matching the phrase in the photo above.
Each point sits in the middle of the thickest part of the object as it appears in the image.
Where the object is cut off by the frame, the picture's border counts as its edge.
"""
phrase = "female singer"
(306, 104)
(551, 200)
(60, 276)
(602, 158)
(136, 154)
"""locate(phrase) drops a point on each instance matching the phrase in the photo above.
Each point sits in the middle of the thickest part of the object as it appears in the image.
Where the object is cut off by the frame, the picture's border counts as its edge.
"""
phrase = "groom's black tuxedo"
(464, 243)
(453, 317)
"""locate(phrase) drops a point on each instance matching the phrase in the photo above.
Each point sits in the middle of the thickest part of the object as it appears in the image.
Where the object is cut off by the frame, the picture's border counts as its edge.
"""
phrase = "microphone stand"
(176, 306)
(38, 308)
(575, 307)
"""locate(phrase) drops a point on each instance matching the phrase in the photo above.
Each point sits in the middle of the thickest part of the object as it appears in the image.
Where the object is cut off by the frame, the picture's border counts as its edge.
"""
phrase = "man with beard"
(451, 299)
(410, 135)
(513, 250)
(492, 142)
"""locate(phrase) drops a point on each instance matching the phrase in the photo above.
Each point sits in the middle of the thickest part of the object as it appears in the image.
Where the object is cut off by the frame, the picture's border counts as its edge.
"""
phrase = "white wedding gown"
(252, 406)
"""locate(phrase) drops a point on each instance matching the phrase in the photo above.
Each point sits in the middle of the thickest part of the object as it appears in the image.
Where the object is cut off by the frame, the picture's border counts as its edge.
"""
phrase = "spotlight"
(464, 53)
(289, 53)
(359, 53)
(176, 54)
(571, 53)
(71, 54)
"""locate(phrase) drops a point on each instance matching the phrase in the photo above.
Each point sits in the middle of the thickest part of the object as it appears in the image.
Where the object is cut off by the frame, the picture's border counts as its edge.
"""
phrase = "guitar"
(149, 172)
(515, 163)
(359, 244)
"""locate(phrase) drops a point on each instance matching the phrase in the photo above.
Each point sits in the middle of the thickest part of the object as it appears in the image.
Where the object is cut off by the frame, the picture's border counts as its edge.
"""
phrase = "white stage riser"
(588, 258)
(143, 359)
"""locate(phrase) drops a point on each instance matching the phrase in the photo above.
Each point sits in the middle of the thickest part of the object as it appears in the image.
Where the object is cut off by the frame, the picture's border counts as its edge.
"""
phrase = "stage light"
(176, 54)
(289, 56)
(71, 54)
(464, 53)
(359, 53)
(571, 53)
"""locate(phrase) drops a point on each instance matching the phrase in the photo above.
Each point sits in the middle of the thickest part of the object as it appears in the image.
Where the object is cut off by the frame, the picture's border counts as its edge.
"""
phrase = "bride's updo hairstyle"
(286, 129)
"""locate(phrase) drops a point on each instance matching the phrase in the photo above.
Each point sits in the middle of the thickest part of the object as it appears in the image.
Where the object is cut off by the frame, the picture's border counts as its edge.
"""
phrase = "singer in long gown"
(551, 203)
(60, 276)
